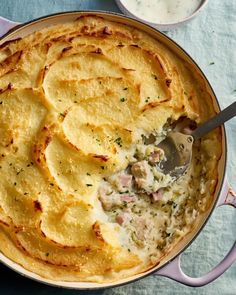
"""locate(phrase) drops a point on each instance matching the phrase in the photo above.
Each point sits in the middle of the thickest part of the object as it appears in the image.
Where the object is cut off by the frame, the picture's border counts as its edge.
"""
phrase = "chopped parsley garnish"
(154, 76)
(211, 63)
(126, 88)
(18, 172)
(147, 99)
(89, 184)
(88, 174)
(118, 141)
(125, 204)
(102, 167)
(123, 99)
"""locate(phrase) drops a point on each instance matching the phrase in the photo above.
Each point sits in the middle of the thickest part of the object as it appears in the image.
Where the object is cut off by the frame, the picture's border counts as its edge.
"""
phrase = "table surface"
(211, 40)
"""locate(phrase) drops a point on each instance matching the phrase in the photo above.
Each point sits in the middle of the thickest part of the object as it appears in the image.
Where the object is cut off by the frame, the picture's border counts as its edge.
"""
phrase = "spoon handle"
(215, 122)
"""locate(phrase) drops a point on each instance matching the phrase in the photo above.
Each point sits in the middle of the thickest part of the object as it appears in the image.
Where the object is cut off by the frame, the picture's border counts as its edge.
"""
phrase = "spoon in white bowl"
(178, 146)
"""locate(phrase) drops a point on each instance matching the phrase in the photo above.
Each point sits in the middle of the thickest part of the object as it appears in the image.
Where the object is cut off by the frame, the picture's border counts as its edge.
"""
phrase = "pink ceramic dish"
(170, 266)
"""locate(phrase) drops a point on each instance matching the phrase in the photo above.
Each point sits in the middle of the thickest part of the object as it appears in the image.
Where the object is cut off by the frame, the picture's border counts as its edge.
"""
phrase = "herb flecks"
(89, 184)
(18, 172)
(123, 99)
(147, 99)
(118, 141)
(211, 63)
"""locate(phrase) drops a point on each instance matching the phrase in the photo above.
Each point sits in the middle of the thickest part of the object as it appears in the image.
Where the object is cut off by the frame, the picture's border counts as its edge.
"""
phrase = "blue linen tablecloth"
(211, 40)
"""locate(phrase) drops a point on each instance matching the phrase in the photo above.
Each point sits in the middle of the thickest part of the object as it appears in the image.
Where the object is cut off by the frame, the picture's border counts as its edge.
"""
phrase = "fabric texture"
(211, 40)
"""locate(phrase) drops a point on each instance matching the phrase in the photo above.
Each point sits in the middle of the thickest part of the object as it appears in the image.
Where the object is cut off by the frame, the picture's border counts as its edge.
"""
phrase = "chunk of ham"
(143, 175)
(143, 227)
(155, 157)
(123, 218)
(126, 180)
(110, 201)
(157, 196)
(113, 200)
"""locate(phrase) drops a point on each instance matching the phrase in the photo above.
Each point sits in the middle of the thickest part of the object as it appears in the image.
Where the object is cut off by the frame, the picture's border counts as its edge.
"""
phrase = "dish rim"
(224, 152)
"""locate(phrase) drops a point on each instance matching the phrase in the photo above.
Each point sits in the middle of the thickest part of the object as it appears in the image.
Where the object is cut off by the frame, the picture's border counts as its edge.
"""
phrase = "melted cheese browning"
(75, 100)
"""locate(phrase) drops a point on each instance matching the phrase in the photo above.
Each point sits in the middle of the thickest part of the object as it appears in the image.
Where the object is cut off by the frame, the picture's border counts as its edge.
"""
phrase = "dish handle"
(6, 25)
(174, 271)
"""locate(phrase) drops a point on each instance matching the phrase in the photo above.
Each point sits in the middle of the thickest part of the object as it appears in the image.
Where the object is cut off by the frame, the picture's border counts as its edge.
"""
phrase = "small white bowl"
(162, 26)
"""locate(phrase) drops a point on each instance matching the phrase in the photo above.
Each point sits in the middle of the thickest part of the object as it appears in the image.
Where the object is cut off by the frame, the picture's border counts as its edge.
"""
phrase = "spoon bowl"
(178, 153)
(178, 146)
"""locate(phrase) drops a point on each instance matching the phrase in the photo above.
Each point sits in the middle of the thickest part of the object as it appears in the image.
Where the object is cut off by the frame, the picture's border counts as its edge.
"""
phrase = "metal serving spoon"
(178, 146)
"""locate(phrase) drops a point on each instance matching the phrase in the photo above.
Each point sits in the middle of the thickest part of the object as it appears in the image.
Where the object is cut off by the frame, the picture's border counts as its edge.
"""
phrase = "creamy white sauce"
(162, 11)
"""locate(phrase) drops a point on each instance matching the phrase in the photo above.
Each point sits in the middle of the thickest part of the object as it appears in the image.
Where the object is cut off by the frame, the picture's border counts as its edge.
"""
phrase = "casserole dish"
(222, 193)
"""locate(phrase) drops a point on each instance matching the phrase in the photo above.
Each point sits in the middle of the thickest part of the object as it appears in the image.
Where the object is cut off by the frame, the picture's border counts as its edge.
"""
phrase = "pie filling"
(149, 206)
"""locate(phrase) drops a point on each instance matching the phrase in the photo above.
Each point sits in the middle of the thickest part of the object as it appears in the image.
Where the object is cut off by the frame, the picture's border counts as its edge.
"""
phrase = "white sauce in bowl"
(162, 11)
